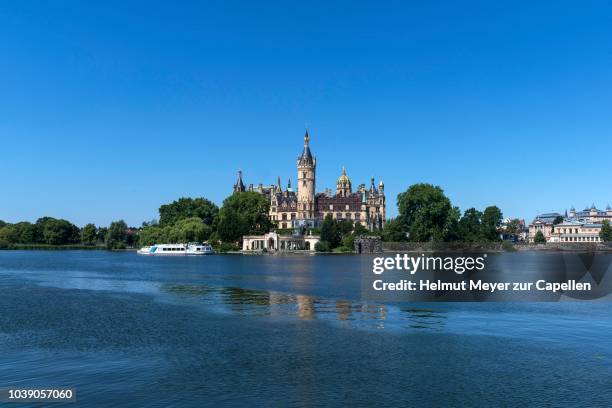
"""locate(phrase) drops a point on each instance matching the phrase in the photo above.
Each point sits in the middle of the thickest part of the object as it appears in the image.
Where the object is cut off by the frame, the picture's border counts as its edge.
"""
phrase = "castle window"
(284, 217)
(347, 207)
(357, 216)
(331, 207)
(339, 216)
(293, 216)
(348, 215)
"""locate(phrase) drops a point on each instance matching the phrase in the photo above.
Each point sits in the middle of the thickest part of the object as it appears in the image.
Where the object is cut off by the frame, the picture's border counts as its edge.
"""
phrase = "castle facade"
(304, 207)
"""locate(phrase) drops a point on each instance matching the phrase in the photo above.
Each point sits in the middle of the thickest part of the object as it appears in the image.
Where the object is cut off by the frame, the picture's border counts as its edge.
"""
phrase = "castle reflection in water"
(249, 302)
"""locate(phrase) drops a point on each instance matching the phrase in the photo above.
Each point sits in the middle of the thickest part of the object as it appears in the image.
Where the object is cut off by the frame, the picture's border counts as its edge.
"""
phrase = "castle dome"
(344, 179)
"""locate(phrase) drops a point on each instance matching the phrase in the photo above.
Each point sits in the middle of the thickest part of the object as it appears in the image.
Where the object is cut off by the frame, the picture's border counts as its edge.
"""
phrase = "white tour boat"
(192, 248)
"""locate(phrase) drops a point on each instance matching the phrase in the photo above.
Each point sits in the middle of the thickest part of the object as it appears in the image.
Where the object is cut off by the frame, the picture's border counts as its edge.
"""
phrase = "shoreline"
(514, 248)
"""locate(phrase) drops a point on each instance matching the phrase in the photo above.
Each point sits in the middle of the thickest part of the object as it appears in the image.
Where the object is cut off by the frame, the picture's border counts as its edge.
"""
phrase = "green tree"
(424, 211)
(9, 235)
(451, 227)
(330, 232)
(102, 234)
(490, 223)
(606, 232)
(359, 229)
(153, 234)
(89, 234)
(25, 233)
(469, 226)
(513, 227)
(558, 220)
(184, 208)
(57, 231)
(348, 242)
(189, 230)
(117, 235)
(394, 231)
(539, 238)
(322, 246)
(345, 227)
(242, 214)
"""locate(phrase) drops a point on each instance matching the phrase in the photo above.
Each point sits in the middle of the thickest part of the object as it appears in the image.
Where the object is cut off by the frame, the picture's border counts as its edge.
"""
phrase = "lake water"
(127, 330)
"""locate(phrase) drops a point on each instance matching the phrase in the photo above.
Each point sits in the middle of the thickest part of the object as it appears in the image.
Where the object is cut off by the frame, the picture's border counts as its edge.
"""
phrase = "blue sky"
(108, 110)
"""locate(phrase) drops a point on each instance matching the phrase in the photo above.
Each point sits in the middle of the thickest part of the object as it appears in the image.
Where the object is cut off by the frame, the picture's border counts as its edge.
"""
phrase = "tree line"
(55, 232)
(425, 214)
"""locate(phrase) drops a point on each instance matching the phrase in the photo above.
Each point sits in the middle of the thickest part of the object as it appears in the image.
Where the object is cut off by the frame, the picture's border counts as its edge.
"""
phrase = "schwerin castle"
(307, 208)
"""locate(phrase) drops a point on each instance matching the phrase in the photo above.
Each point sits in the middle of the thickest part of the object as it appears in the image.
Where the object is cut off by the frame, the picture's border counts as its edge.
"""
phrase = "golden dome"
(344, 179)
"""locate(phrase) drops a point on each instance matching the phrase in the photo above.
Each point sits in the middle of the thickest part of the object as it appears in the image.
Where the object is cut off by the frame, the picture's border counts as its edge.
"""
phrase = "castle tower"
(239, 185)
(306, 166)
(343, 185)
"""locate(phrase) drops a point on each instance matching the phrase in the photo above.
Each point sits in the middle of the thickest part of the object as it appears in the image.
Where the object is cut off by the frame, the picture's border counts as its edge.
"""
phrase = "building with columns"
(304, 207)
(572, 227)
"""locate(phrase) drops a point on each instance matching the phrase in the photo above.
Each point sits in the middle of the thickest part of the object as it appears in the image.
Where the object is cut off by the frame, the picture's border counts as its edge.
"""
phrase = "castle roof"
(306, 157)
(344, 179)
(239, 185)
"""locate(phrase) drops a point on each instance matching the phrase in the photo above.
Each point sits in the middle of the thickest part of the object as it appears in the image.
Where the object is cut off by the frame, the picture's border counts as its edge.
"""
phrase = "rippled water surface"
(126, 330)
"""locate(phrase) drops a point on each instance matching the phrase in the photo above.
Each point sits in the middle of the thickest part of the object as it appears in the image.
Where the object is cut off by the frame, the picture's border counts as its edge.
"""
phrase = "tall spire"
(239, 186)
(278, 185)
(306, 156)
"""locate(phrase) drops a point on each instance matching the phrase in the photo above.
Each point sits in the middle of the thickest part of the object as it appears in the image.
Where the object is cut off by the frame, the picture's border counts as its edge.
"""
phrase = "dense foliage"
(338, 235)
(243, 214)
(184, 208)
(539, 238)
(46, 230)
(606, 232)
(426, 214)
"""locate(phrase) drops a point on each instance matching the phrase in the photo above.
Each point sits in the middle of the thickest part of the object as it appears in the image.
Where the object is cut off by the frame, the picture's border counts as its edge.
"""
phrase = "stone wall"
(368, 245)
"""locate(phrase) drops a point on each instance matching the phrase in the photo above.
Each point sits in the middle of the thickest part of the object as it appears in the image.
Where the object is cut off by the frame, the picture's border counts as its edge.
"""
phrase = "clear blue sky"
(108, 110)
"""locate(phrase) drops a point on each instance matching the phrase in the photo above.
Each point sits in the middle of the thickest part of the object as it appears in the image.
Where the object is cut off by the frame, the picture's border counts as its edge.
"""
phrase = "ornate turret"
(239, 185)
(373, 186)
(279, 188)
(306, 167)
(343, 185)
(306, 157)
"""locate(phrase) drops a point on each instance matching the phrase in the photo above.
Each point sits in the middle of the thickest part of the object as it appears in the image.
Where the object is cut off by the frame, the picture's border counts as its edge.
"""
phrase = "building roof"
(306, 157)
(344, 179)
(547, 217)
